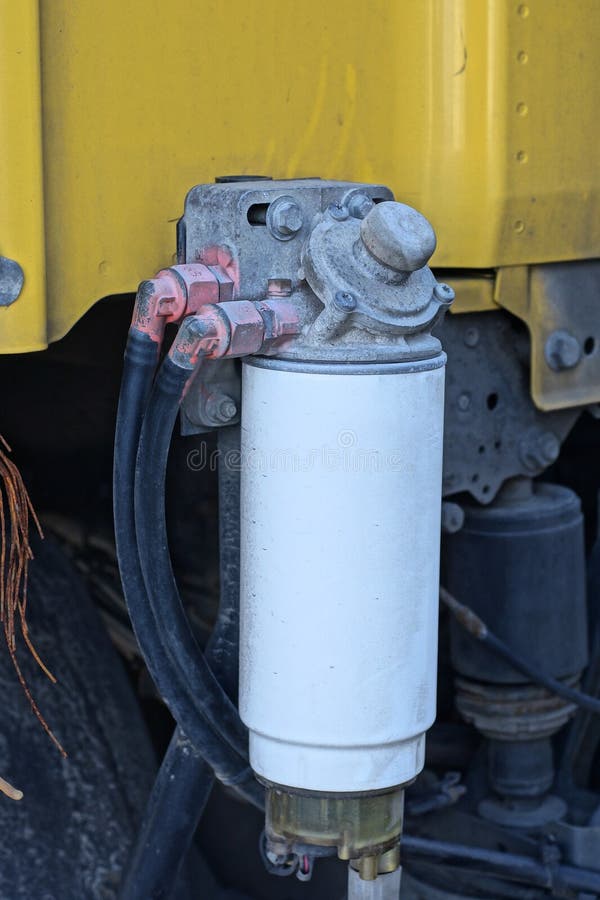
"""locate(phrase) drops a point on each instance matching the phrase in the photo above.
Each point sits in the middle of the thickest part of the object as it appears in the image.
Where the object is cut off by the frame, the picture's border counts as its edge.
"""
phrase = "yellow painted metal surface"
(481, 114)
(23, 326)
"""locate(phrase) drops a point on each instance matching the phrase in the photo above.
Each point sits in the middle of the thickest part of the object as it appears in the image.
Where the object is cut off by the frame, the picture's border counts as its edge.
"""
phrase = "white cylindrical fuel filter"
(340, 529)
(341, 487)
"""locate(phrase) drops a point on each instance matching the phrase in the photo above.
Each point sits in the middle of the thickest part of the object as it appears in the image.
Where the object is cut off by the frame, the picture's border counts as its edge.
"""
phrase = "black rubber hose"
(223, 647)
(230, 766)
(179, 795)
(476, 627)
(507, 866)
(212, 702)
(183, 785)
(184, 781)
(141, 358)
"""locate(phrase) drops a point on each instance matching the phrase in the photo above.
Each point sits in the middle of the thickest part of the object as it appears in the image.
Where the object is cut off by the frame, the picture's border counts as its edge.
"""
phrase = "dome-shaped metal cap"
(398, 236)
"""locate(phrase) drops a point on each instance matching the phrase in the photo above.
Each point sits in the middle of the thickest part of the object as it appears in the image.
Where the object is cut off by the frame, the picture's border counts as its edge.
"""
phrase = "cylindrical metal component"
(341, 485)
(368, 824)
(521, 769)
(398, 236)
(511, 562)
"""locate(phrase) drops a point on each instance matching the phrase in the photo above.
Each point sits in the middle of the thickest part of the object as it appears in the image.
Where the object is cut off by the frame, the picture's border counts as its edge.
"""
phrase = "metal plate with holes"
(560, 303)
(256, 230)
(565, 297)
(493, 431)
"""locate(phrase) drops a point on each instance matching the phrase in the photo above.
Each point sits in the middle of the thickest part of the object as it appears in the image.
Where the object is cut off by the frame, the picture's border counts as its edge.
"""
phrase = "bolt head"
(287, 218)
(359, 206)
(464, 402)
(549, 447)
(453, 517)
(398, 236)
(284, 218)
(539, 450)
(471, 337)
(11, 280)
(562, 351)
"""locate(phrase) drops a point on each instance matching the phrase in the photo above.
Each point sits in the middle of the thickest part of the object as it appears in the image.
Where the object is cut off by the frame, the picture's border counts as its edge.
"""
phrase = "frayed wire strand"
(16, 515)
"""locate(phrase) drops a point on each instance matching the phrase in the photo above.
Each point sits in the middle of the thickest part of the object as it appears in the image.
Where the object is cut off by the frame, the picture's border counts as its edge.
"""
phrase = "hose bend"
(188, 766)
(211, 701)
(229, 765)
(184, 782)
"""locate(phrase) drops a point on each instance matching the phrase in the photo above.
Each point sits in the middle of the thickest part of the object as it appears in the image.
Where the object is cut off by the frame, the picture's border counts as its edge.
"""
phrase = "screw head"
(12, 279)
(398, 236)
(562, 351)
(443, 292)
(338, 211)
(345, 301)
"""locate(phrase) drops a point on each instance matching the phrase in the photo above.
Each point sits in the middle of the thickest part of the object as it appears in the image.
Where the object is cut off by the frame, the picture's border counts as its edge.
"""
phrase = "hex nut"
(221, 408)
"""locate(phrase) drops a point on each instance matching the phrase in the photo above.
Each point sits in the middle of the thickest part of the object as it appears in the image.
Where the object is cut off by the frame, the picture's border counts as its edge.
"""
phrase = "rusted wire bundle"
(16, 516)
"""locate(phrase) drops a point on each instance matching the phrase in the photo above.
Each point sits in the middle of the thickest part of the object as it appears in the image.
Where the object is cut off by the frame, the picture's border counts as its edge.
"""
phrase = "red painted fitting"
(203, 284)
(235, 328)
(281, 321)
(246, 326)
(175, 293)
(158, 301)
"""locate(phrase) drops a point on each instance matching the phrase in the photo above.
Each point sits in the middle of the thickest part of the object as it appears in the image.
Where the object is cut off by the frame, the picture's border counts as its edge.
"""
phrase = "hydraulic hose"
(175, 807)
(223, 648)
(212, 702)
(141, 357)
(185, 780)
(229, 765)
(476, 627)
(150, 856)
